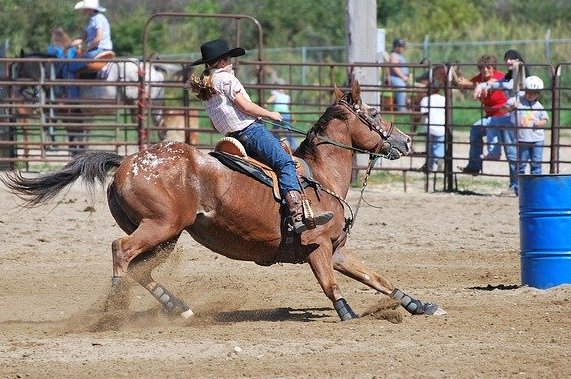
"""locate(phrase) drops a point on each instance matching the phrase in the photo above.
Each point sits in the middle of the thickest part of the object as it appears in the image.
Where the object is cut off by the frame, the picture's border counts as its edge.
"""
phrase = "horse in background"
(173, 127)
(124, 72)
(436, 75)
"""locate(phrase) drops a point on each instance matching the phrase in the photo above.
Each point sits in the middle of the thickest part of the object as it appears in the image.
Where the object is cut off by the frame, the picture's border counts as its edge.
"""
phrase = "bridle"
(368, 119)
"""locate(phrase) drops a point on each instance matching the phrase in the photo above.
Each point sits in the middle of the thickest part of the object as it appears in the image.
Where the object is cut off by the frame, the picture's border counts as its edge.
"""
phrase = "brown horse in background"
(437, 75)
(171, 187)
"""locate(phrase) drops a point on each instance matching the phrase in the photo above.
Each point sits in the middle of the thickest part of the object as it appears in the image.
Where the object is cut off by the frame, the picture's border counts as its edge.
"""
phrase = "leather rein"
(373, 126)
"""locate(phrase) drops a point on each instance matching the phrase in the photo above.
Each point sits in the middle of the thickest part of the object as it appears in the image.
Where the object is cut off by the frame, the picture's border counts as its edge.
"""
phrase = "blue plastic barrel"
(545, 230)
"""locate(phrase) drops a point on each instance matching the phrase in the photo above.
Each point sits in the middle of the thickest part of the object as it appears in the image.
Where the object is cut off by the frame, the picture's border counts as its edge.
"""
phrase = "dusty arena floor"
(459, 251)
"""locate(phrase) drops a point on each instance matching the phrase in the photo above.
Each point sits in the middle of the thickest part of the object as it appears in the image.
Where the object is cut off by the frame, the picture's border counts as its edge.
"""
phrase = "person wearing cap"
(399, 75)
(505, 135)
(233, 114)
(97, 36)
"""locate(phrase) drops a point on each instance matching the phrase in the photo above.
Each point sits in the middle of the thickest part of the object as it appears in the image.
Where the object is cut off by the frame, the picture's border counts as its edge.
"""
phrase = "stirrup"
(301, 226)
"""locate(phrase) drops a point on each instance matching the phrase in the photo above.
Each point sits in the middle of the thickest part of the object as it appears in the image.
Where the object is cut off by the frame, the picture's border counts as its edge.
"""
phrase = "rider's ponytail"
(202, 86)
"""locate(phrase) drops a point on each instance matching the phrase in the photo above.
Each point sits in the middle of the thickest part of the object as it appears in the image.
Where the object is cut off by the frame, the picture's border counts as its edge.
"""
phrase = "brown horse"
(158, 193)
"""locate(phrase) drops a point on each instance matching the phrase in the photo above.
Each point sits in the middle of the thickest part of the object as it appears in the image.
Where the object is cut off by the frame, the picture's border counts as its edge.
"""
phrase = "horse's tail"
(93, 167)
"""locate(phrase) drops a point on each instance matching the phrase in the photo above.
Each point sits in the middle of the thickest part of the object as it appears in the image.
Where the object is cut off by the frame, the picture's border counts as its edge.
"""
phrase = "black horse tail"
(93, 167)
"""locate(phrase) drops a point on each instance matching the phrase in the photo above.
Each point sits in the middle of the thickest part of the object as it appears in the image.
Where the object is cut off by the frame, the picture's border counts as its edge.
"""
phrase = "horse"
(171, 187)
(111, 94)
(172, 126)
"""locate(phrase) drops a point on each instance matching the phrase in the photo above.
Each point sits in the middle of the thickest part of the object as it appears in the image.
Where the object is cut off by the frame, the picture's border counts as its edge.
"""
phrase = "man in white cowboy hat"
(97, 35)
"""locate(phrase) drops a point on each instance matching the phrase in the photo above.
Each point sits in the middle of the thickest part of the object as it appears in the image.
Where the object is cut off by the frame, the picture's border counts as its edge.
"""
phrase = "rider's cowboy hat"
(213, 51)
(89, 4)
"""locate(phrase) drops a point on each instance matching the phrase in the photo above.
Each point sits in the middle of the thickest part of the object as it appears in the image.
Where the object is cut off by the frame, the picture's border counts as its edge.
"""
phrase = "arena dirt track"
(459, 251)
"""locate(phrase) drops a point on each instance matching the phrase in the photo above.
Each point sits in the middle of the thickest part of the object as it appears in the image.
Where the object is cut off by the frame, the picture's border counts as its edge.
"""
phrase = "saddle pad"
(244, 165)
(230, 152)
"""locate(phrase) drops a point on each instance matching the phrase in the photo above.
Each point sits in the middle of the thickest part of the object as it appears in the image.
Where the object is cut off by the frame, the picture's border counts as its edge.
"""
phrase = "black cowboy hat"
(213, 51)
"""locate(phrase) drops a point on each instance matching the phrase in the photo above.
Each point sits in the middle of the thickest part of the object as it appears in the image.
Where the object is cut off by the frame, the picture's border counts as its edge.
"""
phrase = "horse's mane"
(38, 54)
(331, 113)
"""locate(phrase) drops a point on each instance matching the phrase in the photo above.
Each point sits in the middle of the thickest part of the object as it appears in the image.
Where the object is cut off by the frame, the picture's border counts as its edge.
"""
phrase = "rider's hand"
(276, 116)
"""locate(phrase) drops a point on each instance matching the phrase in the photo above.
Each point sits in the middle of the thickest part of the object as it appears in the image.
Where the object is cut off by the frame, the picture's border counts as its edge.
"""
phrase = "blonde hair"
(202, 86)
(60, 38)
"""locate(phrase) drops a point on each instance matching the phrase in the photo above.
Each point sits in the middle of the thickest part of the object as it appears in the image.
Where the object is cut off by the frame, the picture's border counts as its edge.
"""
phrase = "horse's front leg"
(347, 264)
(322, 267)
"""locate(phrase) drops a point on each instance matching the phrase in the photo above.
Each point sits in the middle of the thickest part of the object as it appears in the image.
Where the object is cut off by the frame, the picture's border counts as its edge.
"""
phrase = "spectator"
(60, 42)
(61, 46)
(504, 136)
(97, 36)
(399, 75)
(233, 114)
(281, 103)
(494, 114)
(433, 108)
(530, 118)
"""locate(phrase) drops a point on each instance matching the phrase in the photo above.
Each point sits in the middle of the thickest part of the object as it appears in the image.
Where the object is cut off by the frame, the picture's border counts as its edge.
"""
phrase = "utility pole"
(361, 45)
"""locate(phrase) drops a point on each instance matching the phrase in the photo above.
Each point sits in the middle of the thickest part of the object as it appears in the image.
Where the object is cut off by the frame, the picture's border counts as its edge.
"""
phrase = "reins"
(366, 119)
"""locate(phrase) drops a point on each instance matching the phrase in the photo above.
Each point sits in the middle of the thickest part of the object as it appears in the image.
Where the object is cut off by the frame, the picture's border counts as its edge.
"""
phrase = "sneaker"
(511, 192)
(471, 171)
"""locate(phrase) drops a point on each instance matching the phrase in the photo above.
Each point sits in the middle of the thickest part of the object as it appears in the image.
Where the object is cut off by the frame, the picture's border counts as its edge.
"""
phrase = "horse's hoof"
(433, 310)
(187, 314)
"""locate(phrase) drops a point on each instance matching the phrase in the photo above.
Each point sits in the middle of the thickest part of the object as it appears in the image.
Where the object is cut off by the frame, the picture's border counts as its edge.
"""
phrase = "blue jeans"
(499, 127)
(531, 152)
(70, 72)
(400, 96)
(435, 150)
(286, 117)
(262, 145)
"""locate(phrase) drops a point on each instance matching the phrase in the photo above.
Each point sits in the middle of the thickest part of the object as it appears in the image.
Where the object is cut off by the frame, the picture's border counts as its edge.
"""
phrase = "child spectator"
(281, 100)
(433, 108)
(530, 118)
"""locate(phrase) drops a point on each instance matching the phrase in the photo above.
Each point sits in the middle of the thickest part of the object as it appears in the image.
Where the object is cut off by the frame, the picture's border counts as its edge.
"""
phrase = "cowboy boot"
(298, 221)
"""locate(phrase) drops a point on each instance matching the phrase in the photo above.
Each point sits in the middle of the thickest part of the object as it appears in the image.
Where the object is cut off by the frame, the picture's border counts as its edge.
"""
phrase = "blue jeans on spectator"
(435, 150)
(400, 96)
(262, 145)
(502, 127)
(531, 152)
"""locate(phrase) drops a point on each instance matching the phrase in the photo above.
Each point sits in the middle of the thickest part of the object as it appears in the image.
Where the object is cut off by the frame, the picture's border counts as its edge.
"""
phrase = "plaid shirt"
(221, 109)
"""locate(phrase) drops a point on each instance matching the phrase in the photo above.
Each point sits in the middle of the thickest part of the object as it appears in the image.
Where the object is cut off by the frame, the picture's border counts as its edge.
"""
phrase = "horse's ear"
(356, 91)
(338, 92)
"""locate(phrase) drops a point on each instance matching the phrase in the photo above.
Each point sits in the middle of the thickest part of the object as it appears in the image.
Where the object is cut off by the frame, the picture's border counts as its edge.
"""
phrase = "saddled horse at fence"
(110, 87)
(172, 187)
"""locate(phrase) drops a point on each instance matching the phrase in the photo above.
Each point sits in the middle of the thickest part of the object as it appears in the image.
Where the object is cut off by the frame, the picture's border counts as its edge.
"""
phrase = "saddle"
(232, 154)
(94, 69)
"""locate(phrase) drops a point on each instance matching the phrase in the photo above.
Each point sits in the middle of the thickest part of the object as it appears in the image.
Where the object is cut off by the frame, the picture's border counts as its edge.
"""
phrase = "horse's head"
(369, 130)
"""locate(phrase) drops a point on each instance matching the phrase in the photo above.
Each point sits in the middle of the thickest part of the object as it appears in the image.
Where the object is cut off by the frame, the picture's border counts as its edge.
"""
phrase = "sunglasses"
(485, 67)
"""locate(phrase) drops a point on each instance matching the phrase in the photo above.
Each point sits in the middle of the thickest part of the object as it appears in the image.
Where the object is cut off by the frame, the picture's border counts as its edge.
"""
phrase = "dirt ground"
(459, 251)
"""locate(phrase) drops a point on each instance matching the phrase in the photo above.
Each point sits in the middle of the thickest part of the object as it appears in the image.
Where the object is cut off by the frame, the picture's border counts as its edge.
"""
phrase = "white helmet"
(533, 83)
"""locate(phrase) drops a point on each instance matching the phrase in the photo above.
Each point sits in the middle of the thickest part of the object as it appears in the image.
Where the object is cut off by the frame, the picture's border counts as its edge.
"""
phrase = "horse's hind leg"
(320, 262)
(140, 269)
(140, 266)
(347, 264)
